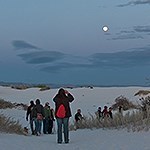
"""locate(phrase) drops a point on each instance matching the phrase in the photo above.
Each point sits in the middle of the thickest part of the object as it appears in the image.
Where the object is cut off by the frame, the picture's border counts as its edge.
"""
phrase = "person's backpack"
(39, 116)
(61, 112)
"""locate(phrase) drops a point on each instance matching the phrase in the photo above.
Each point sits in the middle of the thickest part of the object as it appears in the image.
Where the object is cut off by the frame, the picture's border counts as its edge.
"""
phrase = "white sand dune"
(88, 100)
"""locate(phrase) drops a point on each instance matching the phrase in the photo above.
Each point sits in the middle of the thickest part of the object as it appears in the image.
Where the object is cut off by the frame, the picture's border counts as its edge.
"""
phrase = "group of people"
(106, 112)
(38, 114)
(100, 114)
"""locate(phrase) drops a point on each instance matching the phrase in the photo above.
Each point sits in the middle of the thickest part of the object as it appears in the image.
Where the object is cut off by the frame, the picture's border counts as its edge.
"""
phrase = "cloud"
(122, 59)
(142, 29)
(57, 67)
(127, 36)
(41, 57)
(125, 32)
(65, 65)
(18, 44)
(55, 61)
(138, 2)
(134, 33)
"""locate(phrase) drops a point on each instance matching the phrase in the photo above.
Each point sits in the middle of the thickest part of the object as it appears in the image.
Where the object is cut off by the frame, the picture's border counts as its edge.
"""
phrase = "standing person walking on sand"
(39, 113)
(63, 113)
(32, 119)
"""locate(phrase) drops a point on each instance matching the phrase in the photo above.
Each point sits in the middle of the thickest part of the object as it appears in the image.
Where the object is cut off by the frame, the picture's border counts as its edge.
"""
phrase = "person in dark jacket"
(120, 108)
(51, 121)
(78, 118)
(29, 113)
(110, 113)
(105, 112)
(63, 113)
(99, 113)
(38, 112)
(46, 118)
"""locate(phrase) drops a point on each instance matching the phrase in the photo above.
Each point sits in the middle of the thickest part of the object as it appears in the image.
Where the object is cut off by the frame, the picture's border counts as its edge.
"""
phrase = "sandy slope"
(86, 99)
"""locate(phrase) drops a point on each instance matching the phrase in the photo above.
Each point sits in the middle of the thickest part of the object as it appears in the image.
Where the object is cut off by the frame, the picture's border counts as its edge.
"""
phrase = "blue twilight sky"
(62, 41)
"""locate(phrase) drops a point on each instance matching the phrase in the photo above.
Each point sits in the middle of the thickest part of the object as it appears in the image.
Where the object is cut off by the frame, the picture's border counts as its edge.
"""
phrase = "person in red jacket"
(105, 112)
(62, 113)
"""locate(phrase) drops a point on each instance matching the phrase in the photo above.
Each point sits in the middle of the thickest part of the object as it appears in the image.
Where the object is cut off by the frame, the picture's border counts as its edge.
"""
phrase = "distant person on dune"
(78, 118)
(99, 113)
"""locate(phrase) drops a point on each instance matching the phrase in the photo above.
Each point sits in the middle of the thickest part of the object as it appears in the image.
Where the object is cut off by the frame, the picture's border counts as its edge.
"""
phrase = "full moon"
(105, 28)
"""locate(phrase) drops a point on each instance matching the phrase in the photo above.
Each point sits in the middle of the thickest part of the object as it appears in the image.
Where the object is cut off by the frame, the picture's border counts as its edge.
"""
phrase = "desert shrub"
(5, 104)
(43, 87)
(142, 92)
(144, 102)
(124, 102)
(20, 106)
(132, 121)
(9, 125)
(20, 87)
(145, 106)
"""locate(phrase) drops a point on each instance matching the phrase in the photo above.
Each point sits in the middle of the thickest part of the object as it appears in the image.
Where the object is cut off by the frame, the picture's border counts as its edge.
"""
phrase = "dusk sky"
(62, 41)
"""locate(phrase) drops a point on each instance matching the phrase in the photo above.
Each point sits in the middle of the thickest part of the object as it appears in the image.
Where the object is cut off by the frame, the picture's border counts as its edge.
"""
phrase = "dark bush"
(5, 104)
(9, 125)
(124, 102)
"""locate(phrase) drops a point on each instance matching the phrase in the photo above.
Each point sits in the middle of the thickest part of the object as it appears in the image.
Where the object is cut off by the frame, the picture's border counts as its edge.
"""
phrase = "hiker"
(110, 113)
(78, 118)
(105, 112)
(47, 117)
(99, 113)
(120, 108)
(51, 120)
(39, 114)
(63, 113)
(78, 115)
(29, 113)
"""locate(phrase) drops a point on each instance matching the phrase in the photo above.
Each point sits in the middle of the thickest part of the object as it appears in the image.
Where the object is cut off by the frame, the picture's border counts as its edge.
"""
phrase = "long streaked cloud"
(145, 29)
(19, 44)
(63, 66)
(122, 59)
(136, 32)
(41, 57)
(137, 2)
(125, 59)
(55, 61)
(127, 36)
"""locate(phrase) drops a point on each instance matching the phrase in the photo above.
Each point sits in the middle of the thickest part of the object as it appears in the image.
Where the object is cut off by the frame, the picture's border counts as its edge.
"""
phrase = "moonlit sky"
(62, 41)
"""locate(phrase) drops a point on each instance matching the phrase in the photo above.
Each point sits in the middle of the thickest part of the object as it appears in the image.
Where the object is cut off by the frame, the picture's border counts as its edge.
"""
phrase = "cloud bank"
(136, 32)
(19, 44)
(41, 57)
(55, 61)
(138, 2)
